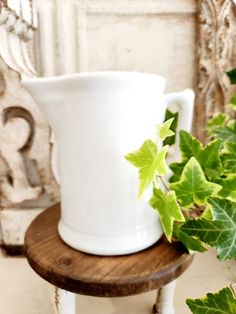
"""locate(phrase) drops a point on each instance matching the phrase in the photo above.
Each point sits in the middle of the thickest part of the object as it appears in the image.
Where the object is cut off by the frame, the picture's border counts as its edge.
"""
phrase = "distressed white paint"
(17, 22)
(14, 223)
(24, 133)
(64, 302)
(67, 33)
(137, 35)
(165, 299)
(47, 32)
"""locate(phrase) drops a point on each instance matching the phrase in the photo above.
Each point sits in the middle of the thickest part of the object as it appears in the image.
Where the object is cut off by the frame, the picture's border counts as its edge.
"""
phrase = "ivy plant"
(197, 205)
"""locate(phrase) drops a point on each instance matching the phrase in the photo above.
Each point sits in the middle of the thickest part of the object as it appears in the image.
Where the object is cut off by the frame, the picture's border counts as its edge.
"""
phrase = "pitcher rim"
(95, 74)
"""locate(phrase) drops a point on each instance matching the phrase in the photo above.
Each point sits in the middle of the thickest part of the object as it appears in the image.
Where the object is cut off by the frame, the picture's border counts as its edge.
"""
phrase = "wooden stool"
(103, 276)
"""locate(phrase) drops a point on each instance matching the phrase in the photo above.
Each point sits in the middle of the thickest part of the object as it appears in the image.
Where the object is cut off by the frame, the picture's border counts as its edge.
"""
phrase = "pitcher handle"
(185, 105)
(54, 157)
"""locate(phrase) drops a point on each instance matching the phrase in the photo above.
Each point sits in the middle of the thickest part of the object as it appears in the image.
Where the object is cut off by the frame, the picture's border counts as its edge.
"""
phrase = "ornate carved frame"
(216, 55)
(27, 184)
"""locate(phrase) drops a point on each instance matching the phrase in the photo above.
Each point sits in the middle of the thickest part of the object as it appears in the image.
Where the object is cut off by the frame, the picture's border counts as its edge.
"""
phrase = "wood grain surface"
(103, 276)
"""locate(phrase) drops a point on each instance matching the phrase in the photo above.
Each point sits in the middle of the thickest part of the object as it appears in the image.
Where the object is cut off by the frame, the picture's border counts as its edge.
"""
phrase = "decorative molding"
(47, 37)
(18, 21)
(72, 28)
(130, 7)
(14, 223)
(217, 54)
(11, 20)
(27, 184)
(127, 9)
(26, 176)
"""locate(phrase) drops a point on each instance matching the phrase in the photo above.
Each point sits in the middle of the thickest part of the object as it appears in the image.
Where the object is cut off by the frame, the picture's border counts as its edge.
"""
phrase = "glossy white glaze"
(98, 118)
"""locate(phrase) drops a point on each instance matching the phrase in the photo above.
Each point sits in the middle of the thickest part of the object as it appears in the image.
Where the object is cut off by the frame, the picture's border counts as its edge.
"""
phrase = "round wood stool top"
(100, 276)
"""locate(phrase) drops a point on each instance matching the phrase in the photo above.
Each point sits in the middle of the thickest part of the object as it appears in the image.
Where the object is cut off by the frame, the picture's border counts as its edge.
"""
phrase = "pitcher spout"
(45, 94)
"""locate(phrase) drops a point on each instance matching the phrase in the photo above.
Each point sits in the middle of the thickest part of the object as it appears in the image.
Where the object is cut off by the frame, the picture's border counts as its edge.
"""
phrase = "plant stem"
(164, 183)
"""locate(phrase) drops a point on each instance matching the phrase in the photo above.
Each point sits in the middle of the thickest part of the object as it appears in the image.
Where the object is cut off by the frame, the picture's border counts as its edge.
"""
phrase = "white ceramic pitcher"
(98, 118)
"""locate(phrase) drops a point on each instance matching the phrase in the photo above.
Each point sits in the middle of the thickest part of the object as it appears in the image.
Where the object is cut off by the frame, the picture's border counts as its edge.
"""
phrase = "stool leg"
(65, 301)
(165, 299)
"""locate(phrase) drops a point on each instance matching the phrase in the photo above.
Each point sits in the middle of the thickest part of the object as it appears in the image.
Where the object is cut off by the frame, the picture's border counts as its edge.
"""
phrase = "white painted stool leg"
(65, 301)
(165, 299)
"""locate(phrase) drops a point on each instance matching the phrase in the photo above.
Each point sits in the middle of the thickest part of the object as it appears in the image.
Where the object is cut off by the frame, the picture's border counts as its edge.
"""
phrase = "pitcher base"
(107, 245)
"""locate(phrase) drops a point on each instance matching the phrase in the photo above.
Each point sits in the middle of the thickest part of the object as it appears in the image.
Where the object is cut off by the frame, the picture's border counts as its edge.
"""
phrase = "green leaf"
(222, 302)
(229, 158)
(209, 159)
(220, 232)
(207, 214)
(193, 186)
(177, 169)
(191, 244)
(232, 103)
(227, 134)
(217, 121)
(163, 131)
(232, 76)
(150, 162)
(160, 162)
(189, 145)
(168, 209)
(228, 187)
(171, 139)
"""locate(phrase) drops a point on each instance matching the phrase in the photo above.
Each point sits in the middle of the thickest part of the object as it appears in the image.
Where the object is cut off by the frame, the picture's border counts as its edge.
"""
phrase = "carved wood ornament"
(217, 54)
(26, 179)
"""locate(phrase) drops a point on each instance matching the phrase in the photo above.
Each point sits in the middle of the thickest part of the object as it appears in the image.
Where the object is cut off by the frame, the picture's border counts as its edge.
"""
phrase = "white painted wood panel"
(136, 35)
(162, 44)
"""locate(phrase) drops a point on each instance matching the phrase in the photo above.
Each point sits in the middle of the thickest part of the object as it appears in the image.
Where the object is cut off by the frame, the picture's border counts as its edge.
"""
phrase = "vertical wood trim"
(67, 34)
(82, 40)
(216, 55)
(47, 38)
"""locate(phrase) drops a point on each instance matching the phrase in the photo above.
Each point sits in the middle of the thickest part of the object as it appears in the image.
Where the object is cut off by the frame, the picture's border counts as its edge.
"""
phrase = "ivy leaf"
(209, 159)
(177, 169)
(228, 187)
(217, 121)
(163, 131)
(150, 162)
(193, 186)
(229, 158)
(220, 232)
(207, 214)
(227, 134)
(232, 76)
(168, 209)
(189, 145)
(191, 243)
(222, 302)
(171, 139)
